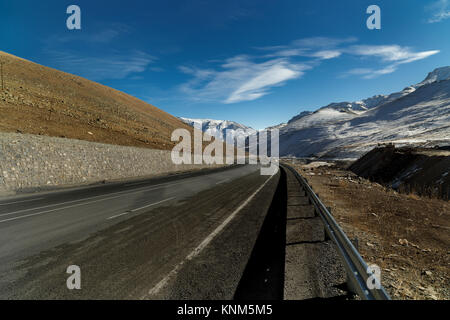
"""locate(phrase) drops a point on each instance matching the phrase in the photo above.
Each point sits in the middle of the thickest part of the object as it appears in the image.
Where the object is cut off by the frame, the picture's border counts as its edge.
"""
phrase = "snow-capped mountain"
(359, 107)
(219, 128)
(437, 75)
(278, 126)
(419, 114)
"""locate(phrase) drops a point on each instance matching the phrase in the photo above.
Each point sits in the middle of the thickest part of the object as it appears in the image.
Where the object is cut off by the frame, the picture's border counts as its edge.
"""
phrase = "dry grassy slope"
(42, 100)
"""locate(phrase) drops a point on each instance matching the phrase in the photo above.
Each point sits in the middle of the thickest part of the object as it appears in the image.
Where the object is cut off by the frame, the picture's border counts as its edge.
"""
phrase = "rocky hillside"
(420, 171)
(45, 101)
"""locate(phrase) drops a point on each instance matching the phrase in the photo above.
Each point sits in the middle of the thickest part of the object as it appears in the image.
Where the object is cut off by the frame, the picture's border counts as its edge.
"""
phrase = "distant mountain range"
(219, 128)
(417, 115)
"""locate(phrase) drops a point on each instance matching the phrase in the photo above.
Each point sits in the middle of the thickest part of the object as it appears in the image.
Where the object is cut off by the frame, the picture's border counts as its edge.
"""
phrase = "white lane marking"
(118, 215)
(42, 212)
(130, 211)
(143, 189)
(4, 204)
(204, 243)
(222, 181)
(152, 204)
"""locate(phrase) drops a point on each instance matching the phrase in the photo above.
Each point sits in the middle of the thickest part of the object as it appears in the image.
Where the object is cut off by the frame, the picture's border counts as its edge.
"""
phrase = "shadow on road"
(263, 278)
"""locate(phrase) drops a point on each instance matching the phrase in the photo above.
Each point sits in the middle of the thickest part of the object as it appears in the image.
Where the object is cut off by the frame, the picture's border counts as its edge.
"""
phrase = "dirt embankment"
(44, 101)
(405, 234)
(408, 170)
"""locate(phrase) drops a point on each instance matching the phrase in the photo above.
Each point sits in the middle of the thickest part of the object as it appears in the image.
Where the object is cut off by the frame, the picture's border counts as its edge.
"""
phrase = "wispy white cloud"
(370, 73)
(390, 53)
(265, 75)
(246, 78)
(394, 55)
(316, 47)
(240, 79)
(322, 42)
(440, 11)
(111, 66)
(85, 54)
(99, 36)
(326, 54)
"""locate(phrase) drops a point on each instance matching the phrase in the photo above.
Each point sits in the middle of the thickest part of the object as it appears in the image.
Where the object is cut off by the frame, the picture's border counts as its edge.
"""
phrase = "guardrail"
(355, 266)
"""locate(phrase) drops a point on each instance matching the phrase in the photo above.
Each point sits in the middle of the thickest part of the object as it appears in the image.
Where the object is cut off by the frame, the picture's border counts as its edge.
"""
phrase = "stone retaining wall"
(30, 161)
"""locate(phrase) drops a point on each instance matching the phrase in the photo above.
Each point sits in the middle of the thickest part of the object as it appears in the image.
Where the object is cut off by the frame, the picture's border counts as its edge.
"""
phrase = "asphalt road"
(186, 236)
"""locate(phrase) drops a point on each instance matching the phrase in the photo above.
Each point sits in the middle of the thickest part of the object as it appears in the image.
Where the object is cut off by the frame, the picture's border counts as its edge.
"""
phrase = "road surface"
(185, 236)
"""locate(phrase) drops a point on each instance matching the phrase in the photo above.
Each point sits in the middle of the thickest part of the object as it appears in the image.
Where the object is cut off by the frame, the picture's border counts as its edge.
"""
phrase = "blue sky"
(255, 62)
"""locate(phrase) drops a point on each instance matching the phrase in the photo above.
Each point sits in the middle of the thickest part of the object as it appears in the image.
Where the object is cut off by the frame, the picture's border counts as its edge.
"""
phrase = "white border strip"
(131, 211)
